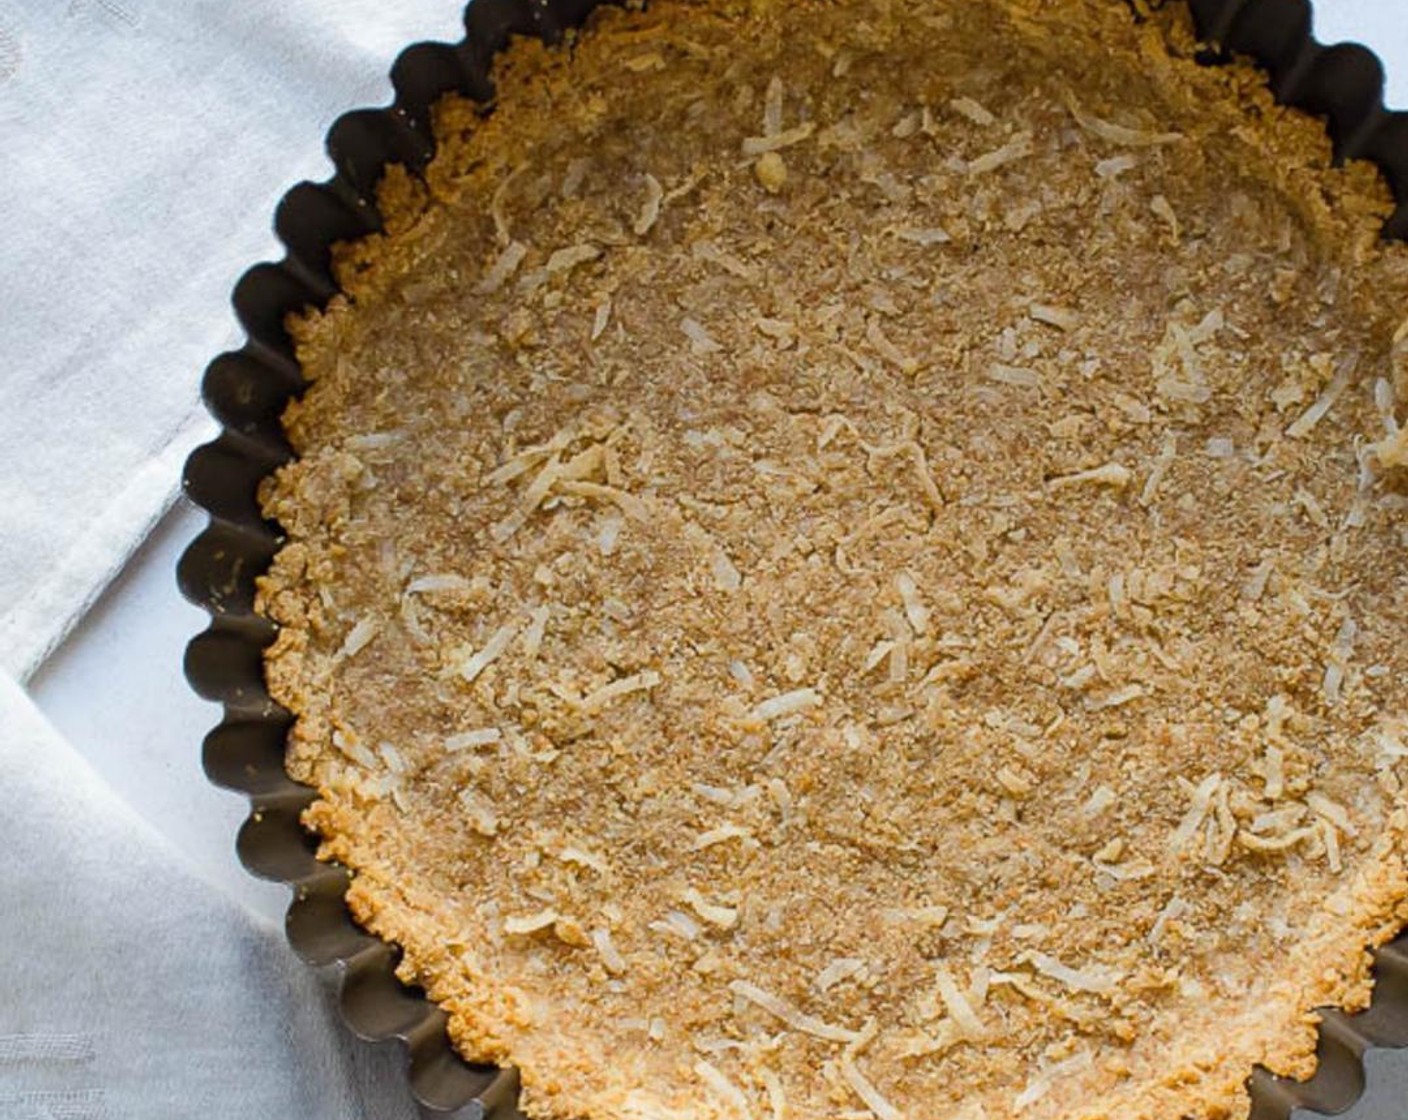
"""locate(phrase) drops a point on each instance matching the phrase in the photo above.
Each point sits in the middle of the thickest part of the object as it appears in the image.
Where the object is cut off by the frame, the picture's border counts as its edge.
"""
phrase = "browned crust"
(569, 1073)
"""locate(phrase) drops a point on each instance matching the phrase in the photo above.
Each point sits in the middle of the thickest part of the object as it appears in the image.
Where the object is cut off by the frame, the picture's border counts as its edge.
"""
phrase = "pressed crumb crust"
(849, 560)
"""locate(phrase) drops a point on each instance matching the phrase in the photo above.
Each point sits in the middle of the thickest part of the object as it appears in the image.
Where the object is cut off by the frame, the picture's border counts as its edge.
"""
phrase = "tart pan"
(246, 390)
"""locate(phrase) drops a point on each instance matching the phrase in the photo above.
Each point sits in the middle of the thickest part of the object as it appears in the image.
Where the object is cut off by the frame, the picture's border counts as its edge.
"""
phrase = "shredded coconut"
(650, 208)
(1115, 133)
(1111, 474)
(964, 1017)
(758, 145)
(1326, 400)
(874, 1100)
(1095, 979)
(359, 637)
(725, 1089)
(606, 948)
(797, 1020)
(787, 704)
(493, 649)
(839, 970)
(637, 682)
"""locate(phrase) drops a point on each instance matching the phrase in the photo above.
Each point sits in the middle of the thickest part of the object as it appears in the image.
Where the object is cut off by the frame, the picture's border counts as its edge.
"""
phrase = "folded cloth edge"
(35, 626)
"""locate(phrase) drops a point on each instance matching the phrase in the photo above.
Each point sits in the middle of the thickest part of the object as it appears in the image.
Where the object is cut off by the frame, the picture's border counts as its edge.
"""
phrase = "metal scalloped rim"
(245, 390)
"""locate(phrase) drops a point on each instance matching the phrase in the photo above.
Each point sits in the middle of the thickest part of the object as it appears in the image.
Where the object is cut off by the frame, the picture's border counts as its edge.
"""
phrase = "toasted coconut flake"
(968, 108)
(1096, 978)
(1100, 800)
(1019, 147)
(1392, 450)
(929, 235)
(468, 740)
(1115, 166)
(787, 704)
(914, 609)
(601, 317)
(1197, 811)
(797, 1020)
(1132, 871)
(1274, 769)
(1330, 811)
(650, 208)
(1116, 133)
(493, 649)
(726, 576)
(375, 441)
(1330, 837)
(874, 1100)
(564, 260)
(498, 206)
(637, 682)
(394, 759)
(1173, 909)
(1274, 843)
(533, 495)
(440, 582)
(580, 857)
(1255, 586)
(359, 637)
(927, 917)
(1062, 318)
(775, 328)
(1013, 782)
(504, 266)
(721, 835)
(648, 60)
(533, 635)
(1278, 820)
(709, 252)
(723, 1088)
(959, 1009)
(772, 107)
(1326, 400)
(921, 463)
(1340, 652)
(1017, 376)
(838, 971)
(1136, 410)
(771, 171)
(876, 336)
(700, 340)
(1111, 474)
(524, 925)
(628, 503)
(527, 458)
(1040, 1085)
(611, 957)
(1179, 389)
(1117, 698)
(678, 924)
(349, 745)
(479, 810)
(725, 917)
(758, 145)
(1163, 209)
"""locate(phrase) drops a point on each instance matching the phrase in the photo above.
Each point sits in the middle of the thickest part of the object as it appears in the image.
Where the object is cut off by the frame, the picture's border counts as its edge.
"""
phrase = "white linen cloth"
(143, 147)
(133, 988)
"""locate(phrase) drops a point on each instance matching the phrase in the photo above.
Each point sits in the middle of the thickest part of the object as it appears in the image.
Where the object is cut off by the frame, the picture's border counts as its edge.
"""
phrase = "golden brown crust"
(851, 555)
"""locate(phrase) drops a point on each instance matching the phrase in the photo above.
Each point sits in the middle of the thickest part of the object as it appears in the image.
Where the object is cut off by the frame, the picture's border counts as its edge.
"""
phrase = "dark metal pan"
(246, 391)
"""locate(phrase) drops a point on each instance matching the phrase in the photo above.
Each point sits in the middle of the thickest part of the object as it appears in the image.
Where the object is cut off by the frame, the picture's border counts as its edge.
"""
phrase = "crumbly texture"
(849, 560)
